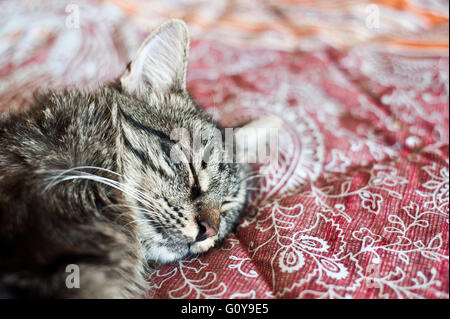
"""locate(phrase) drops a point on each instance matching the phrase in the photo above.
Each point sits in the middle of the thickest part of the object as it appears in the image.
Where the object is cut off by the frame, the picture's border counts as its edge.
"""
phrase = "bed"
(357, 205)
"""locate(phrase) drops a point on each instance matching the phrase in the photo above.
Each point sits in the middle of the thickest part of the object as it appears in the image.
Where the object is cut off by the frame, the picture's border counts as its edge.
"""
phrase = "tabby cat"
(98, 181)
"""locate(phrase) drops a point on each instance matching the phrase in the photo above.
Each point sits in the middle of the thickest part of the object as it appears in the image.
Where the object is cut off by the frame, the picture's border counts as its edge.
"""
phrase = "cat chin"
(203, 246)
(168, 254)
(164, 254)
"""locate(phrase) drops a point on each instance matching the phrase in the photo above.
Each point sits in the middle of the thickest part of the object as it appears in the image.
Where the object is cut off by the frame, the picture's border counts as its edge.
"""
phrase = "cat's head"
(187, 190)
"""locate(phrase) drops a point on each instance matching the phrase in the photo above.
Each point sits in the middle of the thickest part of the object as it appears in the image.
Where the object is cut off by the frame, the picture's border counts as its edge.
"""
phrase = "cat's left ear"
(161, 61)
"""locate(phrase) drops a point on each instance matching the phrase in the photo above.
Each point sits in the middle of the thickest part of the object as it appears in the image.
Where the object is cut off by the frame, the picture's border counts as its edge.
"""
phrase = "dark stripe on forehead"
(195, 190)
(143, 157)
(165, 147)
(143, 127)
(139, 154)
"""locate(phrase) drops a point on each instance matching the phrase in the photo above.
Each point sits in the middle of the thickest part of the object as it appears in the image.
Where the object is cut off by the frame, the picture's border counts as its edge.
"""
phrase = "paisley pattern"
(357, 205)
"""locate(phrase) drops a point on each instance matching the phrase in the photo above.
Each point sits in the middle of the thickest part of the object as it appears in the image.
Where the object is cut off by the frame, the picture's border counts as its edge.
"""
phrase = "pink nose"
(205, 230)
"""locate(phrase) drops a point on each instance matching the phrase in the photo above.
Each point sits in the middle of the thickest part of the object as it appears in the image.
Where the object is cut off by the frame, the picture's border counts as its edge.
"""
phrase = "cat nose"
(205, 230)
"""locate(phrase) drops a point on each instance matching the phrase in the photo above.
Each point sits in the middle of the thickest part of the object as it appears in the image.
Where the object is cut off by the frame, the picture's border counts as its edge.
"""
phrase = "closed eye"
(195, 187)
(195, 192)
(226, 205)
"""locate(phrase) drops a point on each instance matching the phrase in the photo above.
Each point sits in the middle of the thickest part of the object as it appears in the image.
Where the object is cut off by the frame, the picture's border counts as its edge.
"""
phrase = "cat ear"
(161, 61)
(257, 141)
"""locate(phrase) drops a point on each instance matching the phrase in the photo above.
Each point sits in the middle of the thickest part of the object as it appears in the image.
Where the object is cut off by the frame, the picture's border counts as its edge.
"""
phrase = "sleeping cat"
(98, 181)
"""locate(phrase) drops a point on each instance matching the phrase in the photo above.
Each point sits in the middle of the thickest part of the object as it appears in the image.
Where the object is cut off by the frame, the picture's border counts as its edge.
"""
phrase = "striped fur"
(98, 180)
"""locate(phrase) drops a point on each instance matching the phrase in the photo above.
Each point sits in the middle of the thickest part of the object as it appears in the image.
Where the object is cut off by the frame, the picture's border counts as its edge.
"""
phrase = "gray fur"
(90, 178)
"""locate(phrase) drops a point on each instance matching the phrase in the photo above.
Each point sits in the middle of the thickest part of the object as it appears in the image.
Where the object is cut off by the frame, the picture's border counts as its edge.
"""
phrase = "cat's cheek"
(203, 246)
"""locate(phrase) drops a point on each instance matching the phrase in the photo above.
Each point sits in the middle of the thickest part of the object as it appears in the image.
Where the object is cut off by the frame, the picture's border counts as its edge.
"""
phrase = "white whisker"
(140, 197)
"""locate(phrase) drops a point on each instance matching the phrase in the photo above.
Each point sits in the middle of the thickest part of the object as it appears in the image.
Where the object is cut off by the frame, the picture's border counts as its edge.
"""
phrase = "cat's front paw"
(202, 246)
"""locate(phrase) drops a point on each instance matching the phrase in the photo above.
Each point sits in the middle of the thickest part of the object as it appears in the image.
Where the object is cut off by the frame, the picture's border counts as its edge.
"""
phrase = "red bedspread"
(357, 205)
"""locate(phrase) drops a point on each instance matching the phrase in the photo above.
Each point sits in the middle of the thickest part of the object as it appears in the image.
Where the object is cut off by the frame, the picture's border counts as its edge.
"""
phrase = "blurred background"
(88, 41)
(307, 24)
(362, 88)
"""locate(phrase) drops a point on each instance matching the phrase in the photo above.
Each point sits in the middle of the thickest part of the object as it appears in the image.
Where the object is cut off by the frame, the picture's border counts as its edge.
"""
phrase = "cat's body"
(92, 180)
